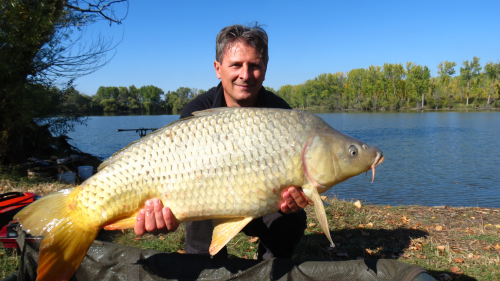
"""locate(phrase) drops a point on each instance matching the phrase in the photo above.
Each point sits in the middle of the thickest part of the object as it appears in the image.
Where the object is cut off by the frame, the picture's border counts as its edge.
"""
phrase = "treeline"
(391, 86)
(394, 86)
(143, 99)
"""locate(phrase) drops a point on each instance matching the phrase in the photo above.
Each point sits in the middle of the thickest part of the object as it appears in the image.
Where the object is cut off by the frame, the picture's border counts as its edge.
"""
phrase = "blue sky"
(171, 44)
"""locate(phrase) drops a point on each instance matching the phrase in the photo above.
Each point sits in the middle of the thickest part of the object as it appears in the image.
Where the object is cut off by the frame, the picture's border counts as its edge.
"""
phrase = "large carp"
(228, 164)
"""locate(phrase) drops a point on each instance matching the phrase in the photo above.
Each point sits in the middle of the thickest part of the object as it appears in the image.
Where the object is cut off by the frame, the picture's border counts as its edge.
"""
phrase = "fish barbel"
(227, 164)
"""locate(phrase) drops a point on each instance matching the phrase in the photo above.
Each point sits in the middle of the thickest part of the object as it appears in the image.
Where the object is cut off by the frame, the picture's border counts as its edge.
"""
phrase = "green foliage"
(470, 71)
(176, 100)
(36, 55)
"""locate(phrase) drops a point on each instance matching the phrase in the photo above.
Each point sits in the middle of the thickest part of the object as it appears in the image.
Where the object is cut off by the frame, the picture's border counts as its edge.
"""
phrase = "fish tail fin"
(68, 235)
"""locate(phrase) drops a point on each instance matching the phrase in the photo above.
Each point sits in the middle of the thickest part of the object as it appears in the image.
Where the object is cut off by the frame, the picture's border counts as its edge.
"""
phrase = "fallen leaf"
(245, 257)
(358, 204)
(439, 227)
(369, 224)
(497, 225)
(487, 247)
(455, 270)
(440, 248)
(388, 207)
(320, 232)
(161, 237)
(323, 197)
(369, 251)
(252, 239)
(497, 247)
(312, 224)
(406, 255)
(181, 251)
(473, 218)
(361, 226)
(419, 223)
(459, 260)
(488, 224)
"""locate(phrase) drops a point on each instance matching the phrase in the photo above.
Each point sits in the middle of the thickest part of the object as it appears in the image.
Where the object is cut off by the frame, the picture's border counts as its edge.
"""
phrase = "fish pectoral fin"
(319, 209)
(225, 230)
(123, 223)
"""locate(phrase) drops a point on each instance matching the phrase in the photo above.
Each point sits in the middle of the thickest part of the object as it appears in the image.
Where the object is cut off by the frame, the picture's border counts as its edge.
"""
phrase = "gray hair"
(254, 36)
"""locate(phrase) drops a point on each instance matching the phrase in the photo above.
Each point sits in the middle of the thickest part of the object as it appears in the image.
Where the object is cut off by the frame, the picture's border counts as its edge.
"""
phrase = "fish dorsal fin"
(225, 230)
(319, 209)
(213, 111)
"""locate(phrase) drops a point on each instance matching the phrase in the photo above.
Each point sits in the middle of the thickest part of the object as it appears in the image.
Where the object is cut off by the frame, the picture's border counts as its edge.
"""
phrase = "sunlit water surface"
(431, 158)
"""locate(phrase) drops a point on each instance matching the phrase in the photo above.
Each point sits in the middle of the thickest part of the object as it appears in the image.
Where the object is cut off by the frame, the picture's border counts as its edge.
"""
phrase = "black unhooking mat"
(107, 261)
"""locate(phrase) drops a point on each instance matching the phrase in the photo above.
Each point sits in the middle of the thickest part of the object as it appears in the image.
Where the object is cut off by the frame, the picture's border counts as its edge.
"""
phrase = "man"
(241, 64)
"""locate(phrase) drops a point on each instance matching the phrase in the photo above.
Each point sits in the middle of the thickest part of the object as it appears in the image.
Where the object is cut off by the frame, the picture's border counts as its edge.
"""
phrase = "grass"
(462, 243)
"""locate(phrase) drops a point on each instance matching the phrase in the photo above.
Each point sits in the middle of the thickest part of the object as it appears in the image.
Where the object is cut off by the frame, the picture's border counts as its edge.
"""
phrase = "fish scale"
(172, 147)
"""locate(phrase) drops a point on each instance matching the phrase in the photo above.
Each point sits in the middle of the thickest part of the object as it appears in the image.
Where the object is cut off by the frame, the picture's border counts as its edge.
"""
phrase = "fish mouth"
(378, 160)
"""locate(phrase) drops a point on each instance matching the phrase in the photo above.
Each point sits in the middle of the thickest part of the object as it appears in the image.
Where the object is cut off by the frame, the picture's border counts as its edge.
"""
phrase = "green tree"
(133, 98)
(36, 54)
(446, 70)
(469, 71)
(354, 87)
(419, 77)
(492, 71)
(394, 73)
(150, 96)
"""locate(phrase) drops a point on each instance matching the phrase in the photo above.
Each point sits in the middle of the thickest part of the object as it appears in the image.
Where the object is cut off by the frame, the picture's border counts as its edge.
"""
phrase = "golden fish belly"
(229, 164)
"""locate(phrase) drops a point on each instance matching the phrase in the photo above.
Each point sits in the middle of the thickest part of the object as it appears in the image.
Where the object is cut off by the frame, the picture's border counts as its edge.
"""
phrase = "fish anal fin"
(225, 230)
(123, 223)
(319, 209)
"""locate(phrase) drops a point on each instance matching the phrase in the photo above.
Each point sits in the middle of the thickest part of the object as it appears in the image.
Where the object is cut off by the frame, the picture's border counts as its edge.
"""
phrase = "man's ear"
(217, 69)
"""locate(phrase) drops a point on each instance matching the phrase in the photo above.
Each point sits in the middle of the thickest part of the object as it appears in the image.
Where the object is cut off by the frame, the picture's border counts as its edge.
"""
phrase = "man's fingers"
(284, 208)
(169, 219)
(309, 201)
(298, 197)
(150, 221)
(139, 223)
(160, 222)
(292, 205)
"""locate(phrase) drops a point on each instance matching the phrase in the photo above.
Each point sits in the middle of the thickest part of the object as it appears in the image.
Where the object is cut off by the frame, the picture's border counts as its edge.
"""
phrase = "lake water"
(431, 158)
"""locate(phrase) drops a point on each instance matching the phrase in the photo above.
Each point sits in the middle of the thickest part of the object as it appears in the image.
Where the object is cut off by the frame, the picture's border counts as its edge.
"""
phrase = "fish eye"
(353, 150)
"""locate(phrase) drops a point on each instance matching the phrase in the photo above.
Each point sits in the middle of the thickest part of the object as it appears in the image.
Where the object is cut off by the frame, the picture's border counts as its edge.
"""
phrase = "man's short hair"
(254, 36)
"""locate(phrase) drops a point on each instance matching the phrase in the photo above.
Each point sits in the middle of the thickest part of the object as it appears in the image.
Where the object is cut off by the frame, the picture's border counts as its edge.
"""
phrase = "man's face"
(242, 73)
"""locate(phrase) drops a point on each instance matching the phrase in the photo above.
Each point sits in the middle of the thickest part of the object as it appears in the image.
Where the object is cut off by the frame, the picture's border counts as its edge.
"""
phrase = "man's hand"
(293, 200)
(155, 218)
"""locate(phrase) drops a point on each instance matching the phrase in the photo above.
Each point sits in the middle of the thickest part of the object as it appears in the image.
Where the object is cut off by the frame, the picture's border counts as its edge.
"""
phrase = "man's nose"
(245, 73)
